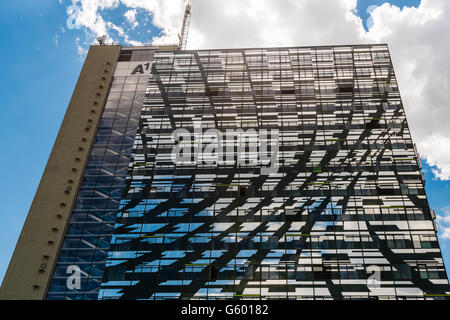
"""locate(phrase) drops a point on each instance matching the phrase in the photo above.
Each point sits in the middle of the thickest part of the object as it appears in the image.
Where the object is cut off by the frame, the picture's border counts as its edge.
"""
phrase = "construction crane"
(185, 29)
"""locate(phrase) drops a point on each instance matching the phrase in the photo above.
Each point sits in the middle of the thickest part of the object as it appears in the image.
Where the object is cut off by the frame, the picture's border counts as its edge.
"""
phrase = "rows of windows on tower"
(312, 188)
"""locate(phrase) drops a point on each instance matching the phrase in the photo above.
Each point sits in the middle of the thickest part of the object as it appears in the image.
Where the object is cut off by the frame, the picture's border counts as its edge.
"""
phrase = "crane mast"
(185, 28)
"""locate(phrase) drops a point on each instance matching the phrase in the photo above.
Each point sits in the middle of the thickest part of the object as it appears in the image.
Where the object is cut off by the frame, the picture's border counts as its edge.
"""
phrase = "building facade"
(268, 173)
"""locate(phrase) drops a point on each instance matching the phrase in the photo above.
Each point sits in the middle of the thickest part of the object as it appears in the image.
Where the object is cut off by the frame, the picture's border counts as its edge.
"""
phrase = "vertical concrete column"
(30, 270)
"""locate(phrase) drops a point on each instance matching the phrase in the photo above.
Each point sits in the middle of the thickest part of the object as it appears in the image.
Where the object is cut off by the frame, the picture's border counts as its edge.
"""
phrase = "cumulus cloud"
(416, 37)
(166, 15)
(420, 56)
(254, 23)
(90, 16)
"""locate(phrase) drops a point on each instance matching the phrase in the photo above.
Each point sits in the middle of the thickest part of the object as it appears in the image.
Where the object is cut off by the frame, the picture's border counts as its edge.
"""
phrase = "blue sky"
(364, 7)
(41, 64)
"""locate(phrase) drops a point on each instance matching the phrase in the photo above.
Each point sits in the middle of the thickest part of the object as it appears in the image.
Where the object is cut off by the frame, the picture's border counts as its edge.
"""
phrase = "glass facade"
(88, 235)
(281, 173)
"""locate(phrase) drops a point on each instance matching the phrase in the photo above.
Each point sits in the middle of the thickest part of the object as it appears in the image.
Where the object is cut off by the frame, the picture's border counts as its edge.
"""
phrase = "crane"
(185, 29)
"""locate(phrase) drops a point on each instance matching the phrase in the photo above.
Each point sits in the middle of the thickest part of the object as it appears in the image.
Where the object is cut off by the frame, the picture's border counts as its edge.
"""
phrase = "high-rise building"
(267, 173)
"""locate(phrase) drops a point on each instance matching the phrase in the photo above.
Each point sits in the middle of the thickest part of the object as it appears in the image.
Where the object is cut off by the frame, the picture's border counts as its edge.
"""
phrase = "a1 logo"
(141, 69)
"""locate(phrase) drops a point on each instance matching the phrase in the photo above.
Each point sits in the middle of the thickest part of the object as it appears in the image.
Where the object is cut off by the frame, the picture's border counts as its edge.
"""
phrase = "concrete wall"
(31, 267)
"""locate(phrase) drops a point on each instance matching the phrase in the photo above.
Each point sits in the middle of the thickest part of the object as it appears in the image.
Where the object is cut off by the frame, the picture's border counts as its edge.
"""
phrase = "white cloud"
(436, 148)
(130, 15)
(445, 233)
(56, 39)
(443, 222)
(81, 49)
(254, 23)
(90, 18)
(123, 34)
(166, 15)
(417, 38)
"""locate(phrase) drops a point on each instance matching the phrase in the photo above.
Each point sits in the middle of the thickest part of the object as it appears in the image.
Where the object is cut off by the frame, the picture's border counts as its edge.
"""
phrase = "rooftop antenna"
(185, 29)
(101, 40)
